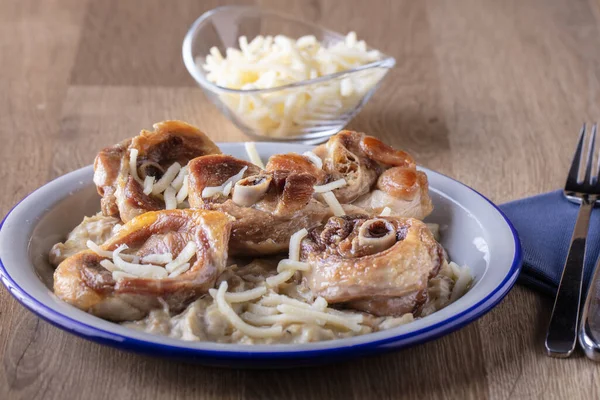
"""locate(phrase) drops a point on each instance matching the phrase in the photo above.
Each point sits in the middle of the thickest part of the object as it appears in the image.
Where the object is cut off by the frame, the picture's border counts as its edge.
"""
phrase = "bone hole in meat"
(378, 234)
(250, 190)
(151, 168)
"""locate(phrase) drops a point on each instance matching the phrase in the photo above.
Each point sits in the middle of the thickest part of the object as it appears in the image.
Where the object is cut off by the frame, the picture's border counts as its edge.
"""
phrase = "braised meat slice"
(380, 265)
(268, 206)
(122, 186)
(123, 290)
(376, 175)
(404, 190)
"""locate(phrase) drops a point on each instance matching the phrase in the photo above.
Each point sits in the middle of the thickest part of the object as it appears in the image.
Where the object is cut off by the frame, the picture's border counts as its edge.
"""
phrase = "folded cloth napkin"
(545, 224)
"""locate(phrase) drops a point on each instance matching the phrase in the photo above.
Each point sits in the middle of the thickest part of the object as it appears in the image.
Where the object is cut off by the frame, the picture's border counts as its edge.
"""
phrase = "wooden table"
(489, 92)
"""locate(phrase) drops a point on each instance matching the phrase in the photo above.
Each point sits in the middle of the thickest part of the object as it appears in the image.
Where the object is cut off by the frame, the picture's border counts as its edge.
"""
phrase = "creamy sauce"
(97, 229)
(202, 320)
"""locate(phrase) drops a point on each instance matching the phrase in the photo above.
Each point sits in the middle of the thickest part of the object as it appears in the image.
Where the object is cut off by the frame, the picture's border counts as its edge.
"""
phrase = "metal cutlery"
(561, 337)
(589, 329)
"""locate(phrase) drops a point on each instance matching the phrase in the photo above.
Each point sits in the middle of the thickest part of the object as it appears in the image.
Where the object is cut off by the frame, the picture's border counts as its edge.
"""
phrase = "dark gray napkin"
(545, 225)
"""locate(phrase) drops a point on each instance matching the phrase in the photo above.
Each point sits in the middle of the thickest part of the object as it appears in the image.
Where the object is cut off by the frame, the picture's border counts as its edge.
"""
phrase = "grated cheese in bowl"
(283, 87)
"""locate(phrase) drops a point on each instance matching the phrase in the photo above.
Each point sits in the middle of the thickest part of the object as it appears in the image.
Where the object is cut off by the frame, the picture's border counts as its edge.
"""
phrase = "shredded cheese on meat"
(313, 158)
(165, 181)
(170, 199)
(295, 241)
(330, 186)
(171, 187)
(285, 265)
(183, 190)
(128, 265)
(133, 155)
(184, 256)
(179, 179)
(158, 258)
(333, 203)
(179, 270)
(105, 253)
(253, 154)
(109, 265)
(141, 270)
(148, 184)
(211, 191)
(386, 212)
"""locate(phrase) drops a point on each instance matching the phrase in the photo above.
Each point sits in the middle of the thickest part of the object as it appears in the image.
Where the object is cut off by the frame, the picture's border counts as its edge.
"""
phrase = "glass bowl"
(308, 121)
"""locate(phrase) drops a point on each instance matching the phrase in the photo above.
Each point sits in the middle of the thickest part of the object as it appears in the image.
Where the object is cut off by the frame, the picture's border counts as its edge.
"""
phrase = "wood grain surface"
(489, 92)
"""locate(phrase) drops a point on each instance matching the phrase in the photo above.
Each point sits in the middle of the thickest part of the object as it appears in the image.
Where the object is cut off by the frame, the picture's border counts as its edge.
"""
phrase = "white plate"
(474, 231)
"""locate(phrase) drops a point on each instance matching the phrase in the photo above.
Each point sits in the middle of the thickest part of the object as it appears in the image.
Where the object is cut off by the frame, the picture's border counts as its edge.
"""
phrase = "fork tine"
(572, 178)
(590, 156)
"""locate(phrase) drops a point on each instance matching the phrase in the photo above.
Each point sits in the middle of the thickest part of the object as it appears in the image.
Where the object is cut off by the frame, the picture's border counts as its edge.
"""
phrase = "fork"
(561, 338)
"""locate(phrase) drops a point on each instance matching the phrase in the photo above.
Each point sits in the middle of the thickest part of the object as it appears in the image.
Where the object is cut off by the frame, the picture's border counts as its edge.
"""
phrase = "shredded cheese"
(211, 191)
(133, 155)
(282, 277)
(182, 194)
(105, 253)
(184, 256)
(170, 199)
(129, 265)
(235, 320)
(253, 154)
(172, 187)
(179, 179)
(274, 300)
(285, 265)
(165, 181)
(107, 264)
(386, 212)
(272, 61)
(148, 184)
(313, 158)
(241, 297)
(227, 189)
(337, 320)
(295, 241)
(140, 270)
(261, 310)
(320, 304)
(258, 319)
(179, 270)
(163, 258)
(333, 203)
(330, 186)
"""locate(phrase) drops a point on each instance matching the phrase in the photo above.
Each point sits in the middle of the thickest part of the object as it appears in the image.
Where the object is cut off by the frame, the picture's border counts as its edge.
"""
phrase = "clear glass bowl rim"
(197, 73)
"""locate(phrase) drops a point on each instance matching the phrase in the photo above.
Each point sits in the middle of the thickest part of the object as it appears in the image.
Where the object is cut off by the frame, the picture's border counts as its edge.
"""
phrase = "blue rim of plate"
(126, 343)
